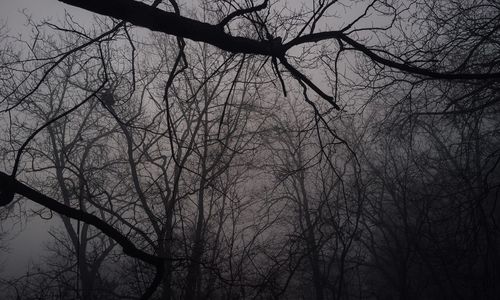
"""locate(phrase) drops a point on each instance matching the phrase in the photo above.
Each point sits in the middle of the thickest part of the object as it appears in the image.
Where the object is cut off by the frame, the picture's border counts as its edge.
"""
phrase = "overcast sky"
(11, 12)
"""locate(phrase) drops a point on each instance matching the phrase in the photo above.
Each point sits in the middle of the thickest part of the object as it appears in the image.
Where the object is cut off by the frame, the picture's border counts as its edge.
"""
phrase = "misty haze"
(237, 149)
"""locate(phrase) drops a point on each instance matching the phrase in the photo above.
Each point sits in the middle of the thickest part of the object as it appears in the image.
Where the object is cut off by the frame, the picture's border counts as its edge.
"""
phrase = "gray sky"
(11, 12)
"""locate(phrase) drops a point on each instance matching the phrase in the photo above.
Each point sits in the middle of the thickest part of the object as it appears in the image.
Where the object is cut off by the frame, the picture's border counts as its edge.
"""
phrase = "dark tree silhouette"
(421, 66)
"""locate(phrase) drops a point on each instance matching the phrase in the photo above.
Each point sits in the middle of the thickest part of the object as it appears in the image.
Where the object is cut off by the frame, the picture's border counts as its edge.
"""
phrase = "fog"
(248, 150)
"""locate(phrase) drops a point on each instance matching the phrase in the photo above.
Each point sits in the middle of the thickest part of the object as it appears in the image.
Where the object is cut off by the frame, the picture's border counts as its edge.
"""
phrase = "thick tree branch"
(143, 15)
(13, 185)
(10, 186)
(155, 19)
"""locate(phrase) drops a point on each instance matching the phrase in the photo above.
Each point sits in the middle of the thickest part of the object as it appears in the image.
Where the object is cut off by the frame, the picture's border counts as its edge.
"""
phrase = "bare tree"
(173, 127)
(313, 176)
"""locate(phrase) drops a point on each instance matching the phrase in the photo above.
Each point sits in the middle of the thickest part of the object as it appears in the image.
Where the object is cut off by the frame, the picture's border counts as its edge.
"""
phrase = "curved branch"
(57, 62)
(303, 79)
(10, 186)
(35, 196)
(155, 19)
(242, 12)
(339, 35)
(171, 23)
(32, 136)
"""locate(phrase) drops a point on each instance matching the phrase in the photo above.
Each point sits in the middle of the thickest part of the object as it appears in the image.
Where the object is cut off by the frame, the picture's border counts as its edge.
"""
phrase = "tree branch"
(35, 196)
(155, 19)
(10, 186)
(339, 35)
(242, 12)
(143, 15)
